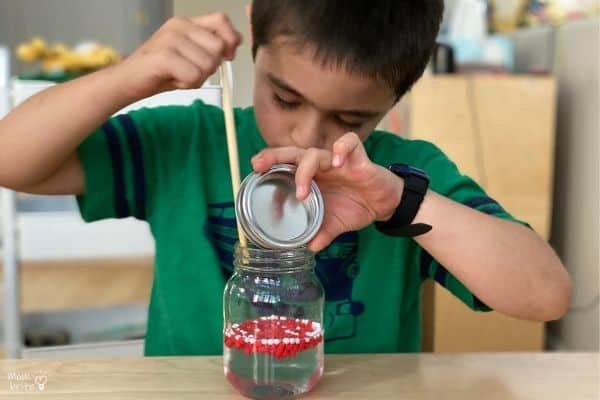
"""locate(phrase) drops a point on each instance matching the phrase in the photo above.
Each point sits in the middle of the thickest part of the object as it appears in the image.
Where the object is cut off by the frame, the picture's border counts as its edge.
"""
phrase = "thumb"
(324, 237)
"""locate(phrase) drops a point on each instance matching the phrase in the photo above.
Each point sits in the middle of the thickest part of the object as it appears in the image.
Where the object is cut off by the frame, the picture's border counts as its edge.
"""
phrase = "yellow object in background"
(62, 59)
(32, 51)
(507, 14)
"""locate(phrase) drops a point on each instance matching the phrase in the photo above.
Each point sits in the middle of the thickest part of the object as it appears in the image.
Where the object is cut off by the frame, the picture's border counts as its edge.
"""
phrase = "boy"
(326, 72)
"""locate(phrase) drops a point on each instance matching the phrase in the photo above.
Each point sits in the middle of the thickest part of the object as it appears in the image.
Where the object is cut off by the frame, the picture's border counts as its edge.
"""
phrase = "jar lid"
(269, 213)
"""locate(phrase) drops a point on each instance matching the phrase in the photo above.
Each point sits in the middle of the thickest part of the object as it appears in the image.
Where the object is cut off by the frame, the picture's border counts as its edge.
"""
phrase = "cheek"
(274, 124)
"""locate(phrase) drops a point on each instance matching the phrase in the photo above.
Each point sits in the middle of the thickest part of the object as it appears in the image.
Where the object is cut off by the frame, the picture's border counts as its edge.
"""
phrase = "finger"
(185, 73)
(177, 24)
(175, 28)
(323, 238)
(220, 24)
(209, 41)
(197, 55)
(205, 37)
(280, 155)
(346, 147)
(314, 160)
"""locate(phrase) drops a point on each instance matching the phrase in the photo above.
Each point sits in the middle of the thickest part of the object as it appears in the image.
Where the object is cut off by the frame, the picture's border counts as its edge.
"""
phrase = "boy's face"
(298, 102)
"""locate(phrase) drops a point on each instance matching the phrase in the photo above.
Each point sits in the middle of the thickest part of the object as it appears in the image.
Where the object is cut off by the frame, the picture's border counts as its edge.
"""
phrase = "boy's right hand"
(182, 54)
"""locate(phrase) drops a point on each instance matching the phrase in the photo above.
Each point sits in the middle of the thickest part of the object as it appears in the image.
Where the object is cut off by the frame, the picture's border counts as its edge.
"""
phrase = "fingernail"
(300, 190)
(337, 161)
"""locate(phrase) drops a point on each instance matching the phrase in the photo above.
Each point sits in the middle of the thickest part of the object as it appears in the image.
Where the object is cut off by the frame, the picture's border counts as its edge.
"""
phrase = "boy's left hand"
(355, 190)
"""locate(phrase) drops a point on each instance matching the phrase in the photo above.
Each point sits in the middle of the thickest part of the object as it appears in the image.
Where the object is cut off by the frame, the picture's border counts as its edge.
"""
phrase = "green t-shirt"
(169, 167)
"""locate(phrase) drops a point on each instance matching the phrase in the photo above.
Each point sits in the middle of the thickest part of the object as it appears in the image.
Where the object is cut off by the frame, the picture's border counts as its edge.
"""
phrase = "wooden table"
(549, 376)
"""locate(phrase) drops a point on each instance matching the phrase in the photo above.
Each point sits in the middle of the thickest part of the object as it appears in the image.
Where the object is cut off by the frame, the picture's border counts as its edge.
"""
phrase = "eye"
(284, 104)
(348, 125)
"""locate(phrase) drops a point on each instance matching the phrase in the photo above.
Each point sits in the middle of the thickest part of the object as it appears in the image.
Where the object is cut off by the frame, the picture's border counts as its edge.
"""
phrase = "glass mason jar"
(273, 323)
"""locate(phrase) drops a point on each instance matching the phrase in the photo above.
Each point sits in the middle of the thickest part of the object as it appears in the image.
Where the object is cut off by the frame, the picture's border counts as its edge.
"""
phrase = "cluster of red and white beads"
(275, 335)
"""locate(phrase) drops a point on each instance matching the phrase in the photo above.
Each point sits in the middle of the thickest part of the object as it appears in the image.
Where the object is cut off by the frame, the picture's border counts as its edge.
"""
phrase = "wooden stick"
(232, 148)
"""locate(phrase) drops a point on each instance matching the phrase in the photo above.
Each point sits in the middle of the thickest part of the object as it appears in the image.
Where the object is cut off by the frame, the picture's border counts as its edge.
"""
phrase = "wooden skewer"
(232, 148)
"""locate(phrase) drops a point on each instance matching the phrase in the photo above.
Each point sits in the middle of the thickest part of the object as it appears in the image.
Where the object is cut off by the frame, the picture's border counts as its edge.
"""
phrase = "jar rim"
(257, 258)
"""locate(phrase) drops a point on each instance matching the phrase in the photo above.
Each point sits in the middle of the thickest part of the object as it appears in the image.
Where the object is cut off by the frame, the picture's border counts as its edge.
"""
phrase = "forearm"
(40, 134)
(506, 265)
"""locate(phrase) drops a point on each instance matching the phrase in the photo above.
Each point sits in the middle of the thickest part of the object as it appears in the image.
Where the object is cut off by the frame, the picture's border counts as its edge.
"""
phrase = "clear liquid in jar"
(284, 366)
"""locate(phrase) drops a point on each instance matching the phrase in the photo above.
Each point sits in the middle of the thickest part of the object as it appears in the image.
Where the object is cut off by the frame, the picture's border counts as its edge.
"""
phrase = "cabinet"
(500, 131)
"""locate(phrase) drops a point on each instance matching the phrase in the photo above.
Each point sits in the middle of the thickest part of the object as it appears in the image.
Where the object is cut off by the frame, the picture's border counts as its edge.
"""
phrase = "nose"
(309, 132)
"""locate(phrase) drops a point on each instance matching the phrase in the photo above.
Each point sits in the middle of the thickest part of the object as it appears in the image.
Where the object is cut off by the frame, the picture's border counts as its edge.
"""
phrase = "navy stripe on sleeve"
(426, 261)
(483, 201)
(135, 148)
(120, 202)
(478, 304)
(440, 275)
(440, 272)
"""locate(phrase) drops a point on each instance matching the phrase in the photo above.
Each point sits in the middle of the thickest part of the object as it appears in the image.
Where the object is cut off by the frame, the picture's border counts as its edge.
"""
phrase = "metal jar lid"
(269, 213)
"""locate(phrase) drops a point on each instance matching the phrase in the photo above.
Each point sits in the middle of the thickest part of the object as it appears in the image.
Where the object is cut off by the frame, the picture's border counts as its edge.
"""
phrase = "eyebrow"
(357, 113)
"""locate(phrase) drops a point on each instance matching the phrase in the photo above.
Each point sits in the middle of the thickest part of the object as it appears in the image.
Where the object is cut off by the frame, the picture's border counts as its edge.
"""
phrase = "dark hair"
(390, 40)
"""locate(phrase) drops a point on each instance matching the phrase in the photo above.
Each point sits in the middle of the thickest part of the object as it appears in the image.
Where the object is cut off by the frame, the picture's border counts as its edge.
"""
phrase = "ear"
(249, 15)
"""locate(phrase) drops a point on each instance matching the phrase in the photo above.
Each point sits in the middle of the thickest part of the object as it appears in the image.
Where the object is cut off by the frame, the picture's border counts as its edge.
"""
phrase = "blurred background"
(511, 95)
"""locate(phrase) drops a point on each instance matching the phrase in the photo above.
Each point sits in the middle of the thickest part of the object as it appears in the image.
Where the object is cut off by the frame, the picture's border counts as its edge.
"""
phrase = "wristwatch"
(416, 183)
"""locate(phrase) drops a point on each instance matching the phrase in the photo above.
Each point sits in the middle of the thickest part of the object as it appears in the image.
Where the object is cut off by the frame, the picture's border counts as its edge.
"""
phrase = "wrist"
(403, 221)
(108, 88)
(98, 95)
(124, 84)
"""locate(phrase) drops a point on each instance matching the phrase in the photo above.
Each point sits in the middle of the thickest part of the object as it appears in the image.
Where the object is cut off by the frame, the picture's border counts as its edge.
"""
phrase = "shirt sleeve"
(447, 180)
(131, 158)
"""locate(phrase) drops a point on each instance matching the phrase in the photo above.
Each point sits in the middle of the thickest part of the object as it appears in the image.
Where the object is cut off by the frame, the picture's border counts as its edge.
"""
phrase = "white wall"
(242, 65)
(4, 106)
(577, 200)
